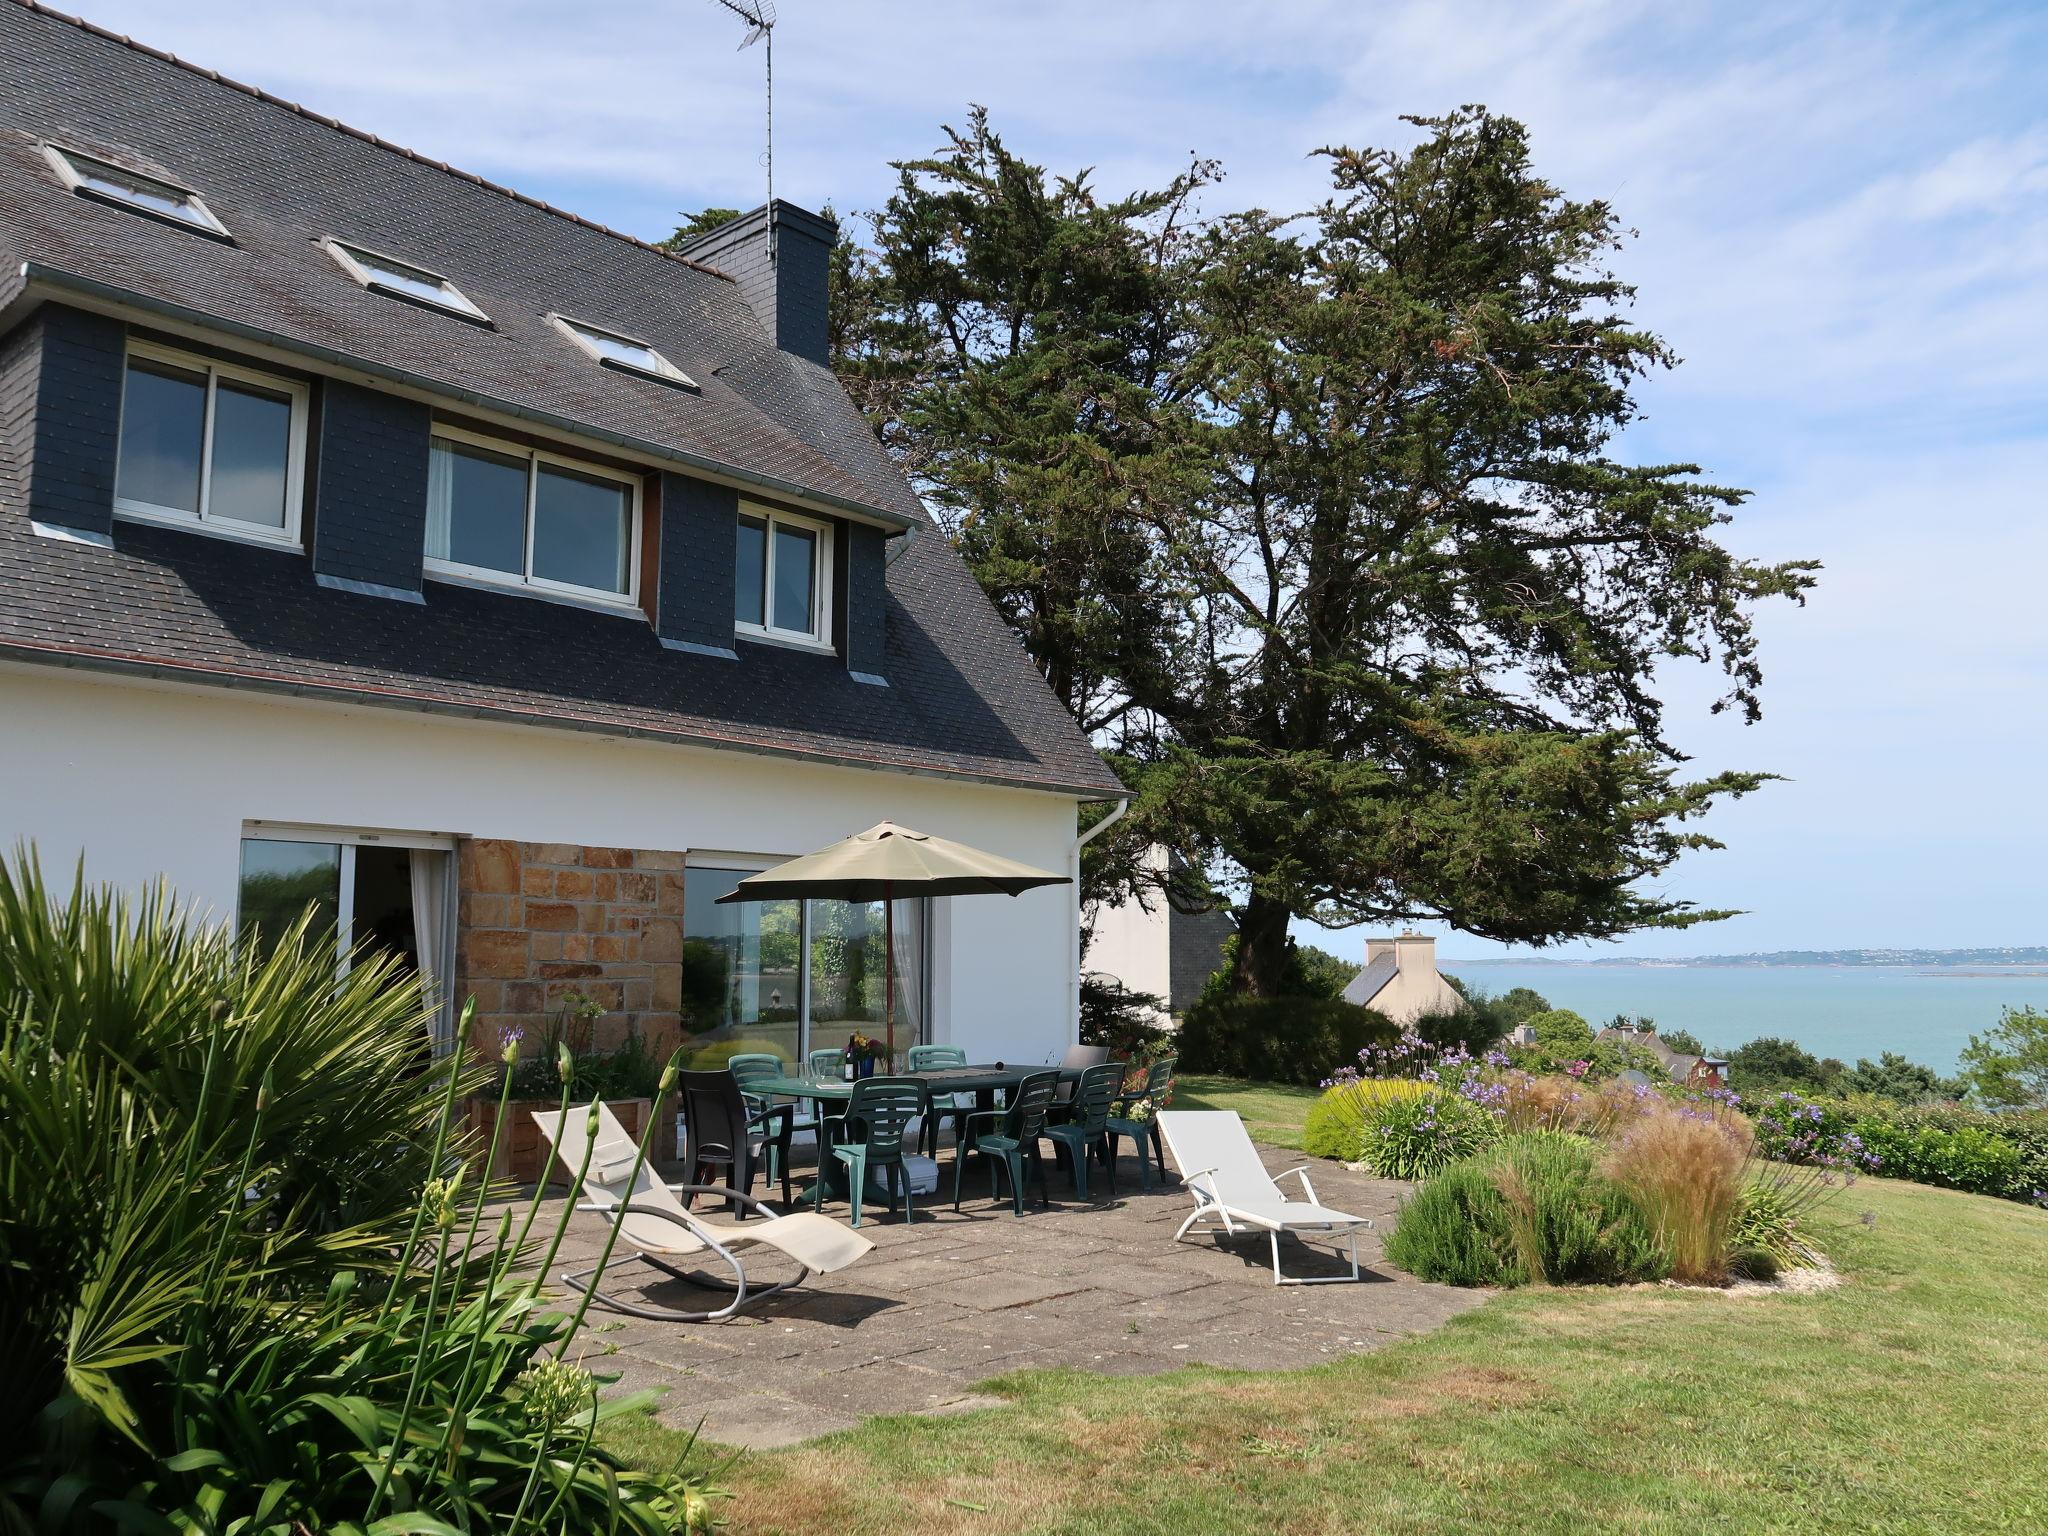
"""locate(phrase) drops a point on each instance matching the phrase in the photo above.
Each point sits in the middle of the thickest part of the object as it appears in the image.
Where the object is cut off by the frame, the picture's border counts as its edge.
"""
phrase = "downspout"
(1074, 955)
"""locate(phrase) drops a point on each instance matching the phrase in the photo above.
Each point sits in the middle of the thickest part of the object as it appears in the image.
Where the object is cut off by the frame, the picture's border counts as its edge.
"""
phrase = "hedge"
(1949, 1145)
(1279, 1039)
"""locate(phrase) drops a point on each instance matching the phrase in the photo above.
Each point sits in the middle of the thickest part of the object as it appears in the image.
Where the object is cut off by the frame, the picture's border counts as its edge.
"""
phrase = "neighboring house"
(1401, 980)
(377, 536)
(1143, 945)
(1681, 1066)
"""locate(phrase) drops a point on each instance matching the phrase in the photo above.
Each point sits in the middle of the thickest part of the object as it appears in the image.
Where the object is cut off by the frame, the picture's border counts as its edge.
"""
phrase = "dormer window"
(107, 182)
(784, 570)
(613, 350)
(210, 445)
(387, 274)
(515, 516)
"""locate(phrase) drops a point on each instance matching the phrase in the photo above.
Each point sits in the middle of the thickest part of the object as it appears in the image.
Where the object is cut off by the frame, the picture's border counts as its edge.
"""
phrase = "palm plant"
(242, 1283)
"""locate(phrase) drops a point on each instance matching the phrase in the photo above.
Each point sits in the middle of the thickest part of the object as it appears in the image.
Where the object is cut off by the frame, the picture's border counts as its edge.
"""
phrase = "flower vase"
(866, 1067)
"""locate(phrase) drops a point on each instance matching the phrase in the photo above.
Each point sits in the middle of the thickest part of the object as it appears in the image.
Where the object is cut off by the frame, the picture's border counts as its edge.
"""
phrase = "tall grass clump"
(246, 1283)
(1685, 1170)
(1533, 1210)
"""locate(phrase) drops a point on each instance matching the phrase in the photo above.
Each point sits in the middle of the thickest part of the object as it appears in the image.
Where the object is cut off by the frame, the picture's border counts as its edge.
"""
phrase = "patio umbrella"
(882, 864)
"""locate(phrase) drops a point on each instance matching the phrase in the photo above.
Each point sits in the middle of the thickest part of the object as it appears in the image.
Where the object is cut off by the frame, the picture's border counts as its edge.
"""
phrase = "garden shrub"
(1767, 1236)
(1561, 1033)
(1337, 1121)
(1949, 1145)
(1685, 1171)
(1532, 1210)
(1124, 1021)
(1278, 1039)
(1418, 1136)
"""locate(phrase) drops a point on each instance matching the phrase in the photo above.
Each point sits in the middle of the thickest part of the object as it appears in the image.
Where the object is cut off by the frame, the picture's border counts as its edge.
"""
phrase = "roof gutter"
(36, 275)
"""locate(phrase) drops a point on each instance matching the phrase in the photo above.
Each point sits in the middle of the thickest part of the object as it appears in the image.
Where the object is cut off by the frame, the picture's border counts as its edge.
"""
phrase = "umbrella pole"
(889, 968)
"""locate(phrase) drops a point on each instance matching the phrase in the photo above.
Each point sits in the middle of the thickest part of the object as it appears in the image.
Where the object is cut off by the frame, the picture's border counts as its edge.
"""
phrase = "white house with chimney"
(1401, 980)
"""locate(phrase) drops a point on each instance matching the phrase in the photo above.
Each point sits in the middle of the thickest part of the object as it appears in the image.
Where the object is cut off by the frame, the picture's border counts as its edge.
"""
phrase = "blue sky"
(1844, 231)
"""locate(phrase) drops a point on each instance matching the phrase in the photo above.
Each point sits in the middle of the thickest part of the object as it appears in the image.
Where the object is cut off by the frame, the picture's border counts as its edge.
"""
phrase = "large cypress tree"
(1319, 523)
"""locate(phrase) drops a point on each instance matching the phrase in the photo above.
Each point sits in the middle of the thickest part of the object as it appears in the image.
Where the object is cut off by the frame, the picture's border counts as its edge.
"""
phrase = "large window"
(502, 513)
(784, 570)
(370, 893)
(789, 977)
(210, 444)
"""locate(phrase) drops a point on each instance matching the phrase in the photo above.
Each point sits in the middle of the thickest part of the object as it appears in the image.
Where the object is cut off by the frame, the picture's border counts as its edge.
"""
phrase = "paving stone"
(946, 1303)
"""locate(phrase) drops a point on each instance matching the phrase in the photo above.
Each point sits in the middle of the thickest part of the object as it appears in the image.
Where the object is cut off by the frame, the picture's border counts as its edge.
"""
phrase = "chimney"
(788, 295)
(1377, 948)
(1415, 953)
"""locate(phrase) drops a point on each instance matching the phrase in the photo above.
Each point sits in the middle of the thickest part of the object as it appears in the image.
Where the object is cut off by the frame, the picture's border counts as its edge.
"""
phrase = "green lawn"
(1909, 1400)
(1272, 1111)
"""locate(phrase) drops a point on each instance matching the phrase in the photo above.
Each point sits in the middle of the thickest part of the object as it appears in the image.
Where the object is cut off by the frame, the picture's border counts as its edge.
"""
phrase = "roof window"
(387, 274)
(107, 182)
(613, 350)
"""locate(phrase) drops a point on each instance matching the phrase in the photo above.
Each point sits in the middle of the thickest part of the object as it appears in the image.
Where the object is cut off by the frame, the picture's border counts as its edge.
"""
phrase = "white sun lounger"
(658, 1230)
(1220, 1167)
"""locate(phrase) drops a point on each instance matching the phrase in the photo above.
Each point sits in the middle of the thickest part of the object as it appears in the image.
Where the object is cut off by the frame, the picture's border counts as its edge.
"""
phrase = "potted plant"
(625, 1077)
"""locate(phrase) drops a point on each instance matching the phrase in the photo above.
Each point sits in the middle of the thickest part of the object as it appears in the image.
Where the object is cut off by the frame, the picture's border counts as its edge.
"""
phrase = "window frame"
(347, 255)
(665, 373)
(73, 168)
(525, 582)
(215, 369)
(819, 637)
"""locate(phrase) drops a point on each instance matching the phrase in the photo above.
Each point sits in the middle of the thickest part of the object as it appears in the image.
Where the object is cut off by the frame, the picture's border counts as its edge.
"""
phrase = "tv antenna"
(759, 15)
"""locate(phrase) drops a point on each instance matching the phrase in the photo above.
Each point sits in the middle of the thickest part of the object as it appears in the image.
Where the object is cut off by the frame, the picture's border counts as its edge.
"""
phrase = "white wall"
(155, 780)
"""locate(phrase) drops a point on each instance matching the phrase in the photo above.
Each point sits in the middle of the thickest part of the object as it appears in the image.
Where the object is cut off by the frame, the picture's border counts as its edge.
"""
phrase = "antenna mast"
(759, 15)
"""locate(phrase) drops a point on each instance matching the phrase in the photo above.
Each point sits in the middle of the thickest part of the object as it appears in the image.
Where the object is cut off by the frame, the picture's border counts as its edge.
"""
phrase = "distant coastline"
(1997, 962)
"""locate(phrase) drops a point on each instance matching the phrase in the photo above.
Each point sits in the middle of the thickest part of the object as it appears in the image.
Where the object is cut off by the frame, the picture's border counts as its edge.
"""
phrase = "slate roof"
(1370, 982)
(964, 699)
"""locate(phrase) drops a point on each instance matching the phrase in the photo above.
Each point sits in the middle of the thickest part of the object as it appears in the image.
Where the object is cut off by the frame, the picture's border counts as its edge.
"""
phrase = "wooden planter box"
(524, 1155)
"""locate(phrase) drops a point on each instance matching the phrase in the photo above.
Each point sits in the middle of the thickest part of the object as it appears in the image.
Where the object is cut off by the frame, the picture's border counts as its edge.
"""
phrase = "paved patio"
(943, 1305)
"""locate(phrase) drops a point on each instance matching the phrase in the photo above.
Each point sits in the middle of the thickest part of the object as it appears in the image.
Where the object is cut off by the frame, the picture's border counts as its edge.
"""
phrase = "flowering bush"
(1337, 1122)
(1419, 1136)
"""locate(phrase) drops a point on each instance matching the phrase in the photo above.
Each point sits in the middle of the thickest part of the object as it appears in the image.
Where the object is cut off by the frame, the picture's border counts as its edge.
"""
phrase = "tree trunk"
(1262, 947)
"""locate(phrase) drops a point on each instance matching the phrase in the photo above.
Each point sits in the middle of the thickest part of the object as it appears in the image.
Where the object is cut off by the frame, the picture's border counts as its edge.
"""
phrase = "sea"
(1927, 1014)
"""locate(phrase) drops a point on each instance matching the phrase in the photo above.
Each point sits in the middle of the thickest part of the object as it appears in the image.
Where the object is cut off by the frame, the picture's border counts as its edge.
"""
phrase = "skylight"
(616, 351)
(112, 183)
(387, 274)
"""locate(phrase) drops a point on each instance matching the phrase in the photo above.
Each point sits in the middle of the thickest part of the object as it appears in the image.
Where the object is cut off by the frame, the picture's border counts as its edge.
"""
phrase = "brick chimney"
(788, 295)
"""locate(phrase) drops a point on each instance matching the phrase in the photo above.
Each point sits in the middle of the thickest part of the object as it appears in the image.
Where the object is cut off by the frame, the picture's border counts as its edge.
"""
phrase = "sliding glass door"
(788, 977)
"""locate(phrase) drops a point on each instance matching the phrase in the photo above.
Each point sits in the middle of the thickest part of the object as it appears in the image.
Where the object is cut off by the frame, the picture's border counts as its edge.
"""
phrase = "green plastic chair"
(830, 1063)
(1144, 1133)
(928, 1058)
(1084, 1131)
(750, 1067)
(1010, 1141)
(871, 1135)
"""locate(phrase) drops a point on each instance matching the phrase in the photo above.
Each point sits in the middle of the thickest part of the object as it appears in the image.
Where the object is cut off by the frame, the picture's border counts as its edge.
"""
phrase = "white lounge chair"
(1220, 1167)
(657, 1229)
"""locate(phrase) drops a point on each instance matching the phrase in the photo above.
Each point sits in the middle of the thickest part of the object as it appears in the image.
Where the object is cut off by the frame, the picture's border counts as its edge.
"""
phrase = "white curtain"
(908, 962)
(440, 504)
(430, 937)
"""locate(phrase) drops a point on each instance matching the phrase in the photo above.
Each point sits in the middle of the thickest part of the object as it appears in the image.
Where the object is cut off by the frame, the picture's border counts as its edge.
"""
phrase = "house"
(1401, 981)
(1681, 1066)
(378, 537)
(1143, 945)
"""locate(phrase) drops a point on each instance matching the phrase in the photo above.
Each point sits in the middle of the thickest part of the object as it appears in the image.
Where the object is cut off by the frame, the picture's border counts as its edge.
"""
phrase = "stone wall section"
(539, 921)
